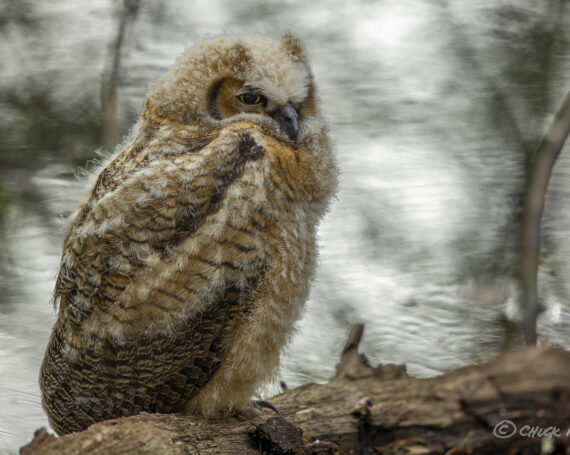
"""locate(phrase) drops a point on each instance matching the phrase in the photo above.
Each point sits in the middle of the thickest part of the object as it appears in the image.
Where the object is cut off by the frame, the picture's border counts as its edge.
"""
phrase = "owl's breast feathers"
(166, 258)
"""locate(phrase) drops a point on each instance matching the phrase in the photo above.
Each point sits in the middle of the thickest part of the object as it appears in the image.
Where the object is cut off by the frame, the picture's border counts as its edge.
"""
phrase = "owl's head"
(263, 80)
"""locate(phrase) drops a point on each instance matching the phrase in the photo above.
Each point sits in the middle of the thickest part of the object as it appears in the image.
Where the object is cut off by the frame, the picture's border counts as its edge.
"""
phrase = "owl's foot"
(254, 409)
(250, 149)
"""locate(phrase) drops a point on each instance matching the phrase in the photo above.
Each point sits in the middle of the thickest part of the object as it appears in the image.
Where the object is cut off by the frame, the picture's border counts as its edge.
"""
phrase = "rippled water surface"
(430, 126)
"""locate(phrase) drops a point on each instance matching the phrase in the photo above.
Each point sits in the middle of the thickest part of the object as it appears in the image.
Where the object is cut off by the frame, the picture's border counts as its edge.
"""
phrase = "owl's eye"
(250, 98)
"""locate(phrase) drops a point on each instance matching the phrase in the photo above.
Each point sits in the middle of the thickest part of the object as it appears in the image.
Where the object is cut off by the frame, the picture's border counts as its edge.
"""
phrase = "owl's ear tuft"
(293, 46)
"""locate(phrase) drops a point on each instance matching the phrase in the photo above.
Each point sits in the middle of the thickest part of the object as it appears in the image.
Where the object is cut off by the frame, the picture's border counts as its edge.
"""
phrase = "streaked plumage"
(191, 256)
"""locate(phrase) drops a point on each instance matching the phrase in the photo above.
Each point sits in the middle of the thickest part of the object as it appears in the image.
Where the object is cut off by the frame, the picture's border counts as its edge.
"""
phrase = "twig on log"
(350, 359)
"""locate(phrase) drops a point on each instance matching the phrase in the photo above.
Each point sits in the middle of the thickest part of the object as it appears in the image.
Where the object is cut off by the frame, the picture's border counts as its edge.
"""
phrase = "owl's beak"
(288, 120)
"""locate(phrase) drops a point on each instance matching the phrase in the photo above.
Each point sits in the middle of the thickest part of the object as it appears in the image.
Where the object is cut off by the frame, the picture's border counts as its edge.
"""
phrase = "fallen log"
(517, 403)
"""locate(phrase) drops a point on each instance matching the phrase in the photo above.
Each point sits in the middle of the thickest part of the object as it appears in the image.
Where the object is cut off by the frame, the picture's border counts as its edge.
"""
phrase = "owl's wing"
(145, 324)
(126, 244)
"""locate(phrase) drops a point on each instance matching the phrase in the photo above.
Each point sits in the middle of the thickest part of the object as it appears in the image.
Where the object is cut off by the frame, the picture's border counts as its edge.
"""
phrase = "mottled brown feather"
(154, 373)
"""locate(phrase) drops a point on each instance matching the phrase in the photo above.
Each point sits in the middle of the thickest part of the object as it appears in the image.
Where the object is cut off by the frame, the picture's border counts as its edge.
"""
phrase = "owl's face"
(264, 80)
(289, 108)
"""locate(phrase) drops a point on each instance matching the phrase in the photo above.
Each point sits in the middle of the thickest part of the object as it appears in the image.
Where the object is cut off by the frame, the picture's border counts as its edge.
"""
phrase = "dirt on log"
(517, 403)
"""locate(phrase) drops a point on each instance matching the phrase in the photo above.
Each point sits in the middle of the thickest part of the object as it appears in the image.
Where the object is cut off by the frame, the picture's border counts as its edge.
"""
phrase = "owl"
(190, 257)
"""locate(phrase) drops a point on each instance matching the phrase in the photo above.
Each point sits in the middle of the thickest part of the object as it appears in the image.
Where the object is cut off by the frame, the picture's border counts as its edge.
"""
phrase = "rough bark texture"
(364, 410)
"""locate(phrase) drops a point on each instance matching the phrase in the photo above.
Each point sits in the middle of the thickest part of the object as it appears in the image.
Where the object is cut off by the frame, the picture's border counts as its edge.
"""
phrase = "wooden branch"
(547, 154)
(363, 411)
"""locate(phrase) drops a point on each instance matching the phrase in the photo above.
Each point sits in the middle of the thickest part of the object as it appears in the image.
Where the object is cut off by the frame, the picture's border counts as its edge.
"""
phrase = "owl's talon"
(254, 410)
(258, 152)
(265, 404)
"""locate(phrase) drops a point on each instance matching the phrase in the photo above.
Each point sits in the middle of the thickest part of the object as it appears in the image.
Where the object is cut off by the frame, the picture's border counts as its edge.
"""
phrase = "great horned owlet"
(191, 255)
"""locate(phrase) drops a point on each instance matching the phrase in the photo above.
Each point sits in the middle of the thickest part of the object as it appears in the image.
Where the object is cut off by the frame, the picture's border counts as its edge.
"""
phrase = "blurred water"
(421, 242)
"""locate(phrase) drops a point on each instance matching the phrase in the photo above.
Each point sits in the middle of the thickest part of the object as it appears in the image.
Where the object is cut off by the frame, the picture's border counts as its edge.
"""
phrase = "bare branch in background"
(548, 152)
(499, 99)
(111, 118)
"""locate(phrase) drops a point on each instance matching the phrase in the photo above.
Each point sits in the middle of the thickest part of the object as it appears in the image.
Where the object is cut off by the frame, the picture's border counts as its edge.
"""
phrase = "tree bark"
(366, 410)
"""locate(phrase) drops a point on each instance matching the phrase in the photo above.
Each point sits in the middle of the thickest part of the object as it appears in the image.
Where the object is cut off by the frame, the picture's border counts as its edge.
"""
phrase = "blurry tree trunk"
(111, 115)
(546, 156)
